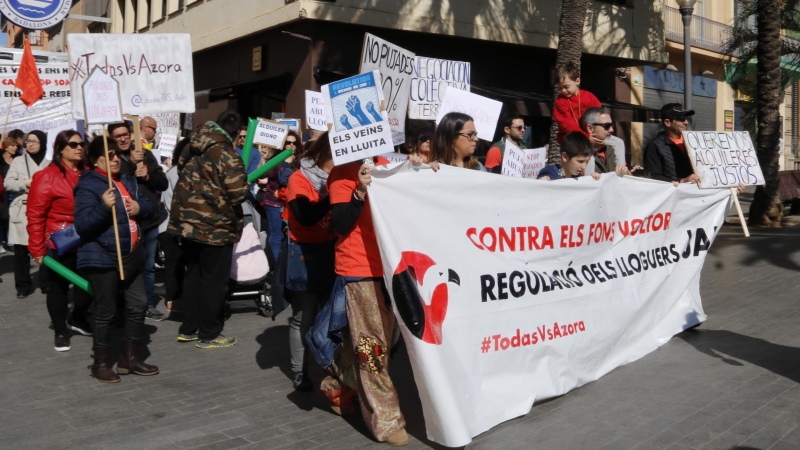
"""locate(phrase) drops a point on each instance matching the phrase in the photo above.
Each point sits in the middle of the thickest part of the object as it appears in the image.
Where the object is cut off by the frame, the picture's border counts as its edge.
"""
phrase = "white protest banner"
(270, 133)
(154, 70)
(428, 81)
(101, 101)
(501, 304)
(723, 158)
(396, 66)
(513, 161)
(395, 157)
(359, 126)
(52, 111)
(484, 111)
(315, 111)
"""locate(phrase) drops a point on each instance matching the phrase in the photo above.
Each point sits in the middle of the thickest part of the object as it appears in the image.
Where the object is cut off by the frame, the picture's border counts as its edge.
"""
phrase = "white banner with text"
(506, 300)
(53, 111)
(154, 70)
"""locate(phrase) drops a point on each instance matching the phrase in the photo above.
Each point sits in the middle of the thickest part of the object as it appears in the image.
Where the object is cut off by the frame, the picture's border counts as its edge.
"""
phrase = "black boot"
(101, 369)
(129, 360)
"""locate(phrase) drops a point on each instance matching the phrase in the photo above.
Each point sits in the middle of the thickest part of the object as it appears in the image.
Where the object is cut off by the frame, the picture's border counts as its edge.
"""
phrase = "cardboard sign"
(315, 111)
(271, 133)
(723, 159)
(396, 67)
(154, 71)
(166, 146)
(428, 83)
(101, 100)
(520, 163)
(294, 124)
(484, 111)
(359, 126)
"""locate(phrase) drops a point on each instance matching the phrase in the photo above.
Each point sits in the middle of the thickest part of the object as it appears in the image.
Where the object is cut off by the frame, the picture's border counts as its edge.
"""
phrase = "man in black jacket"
(151, 180)
(665, 156)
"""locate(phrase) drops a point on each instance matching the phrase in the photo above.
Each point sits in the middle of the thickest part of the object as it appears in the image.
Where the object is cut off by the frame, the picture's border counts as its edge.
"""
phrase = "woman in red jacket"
(50, 208)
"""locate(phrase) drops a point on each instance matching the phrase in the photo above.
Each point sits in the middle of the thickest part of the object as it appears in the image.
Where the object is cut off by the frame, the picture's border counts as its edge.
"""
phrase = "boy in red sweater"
(571, 102)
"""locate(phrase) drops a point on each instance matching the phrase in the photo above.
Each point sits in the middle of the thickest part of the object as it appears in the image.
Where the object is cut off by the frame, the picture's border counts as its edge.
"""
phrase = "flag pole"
(113, 208)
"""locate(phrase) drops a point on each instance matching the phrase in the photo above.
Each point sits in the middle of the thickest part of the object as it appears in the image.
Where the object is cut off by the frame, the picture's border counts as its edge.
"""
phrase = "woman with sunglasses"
(18, 183)
(255, 154)
(51, 207)
(275, 192)
(455, 141)
(423, 144)
(97, 255)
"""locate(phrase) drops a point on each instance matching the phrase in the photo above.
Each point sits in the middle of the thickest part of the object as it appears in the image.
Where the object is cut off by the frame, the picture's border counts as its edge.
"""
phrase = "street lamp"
(686, 9)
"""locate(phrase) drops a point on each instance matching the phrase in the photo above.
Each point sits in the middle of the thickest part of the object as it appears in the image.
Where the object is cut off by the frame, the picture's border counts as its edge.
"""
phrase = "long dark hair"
(319, 152)
(299, 150)
(443, 145)
(59, 145)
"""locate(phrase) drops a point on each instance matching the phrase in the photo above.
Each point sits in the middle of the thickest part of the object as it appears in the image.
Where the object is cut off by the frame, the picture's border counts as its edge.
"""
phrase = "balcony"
(706, 34)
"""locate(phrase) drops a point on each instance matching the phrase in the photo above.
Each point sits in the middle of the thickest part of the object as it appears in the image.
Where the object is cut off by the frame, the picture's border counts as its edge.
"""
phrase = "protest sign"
(166, 146)
(294, 124)
(513, 161)
(428, 81)
(154, 70)
(270, 133)
(501, 304)
(484, 111)
(361, 126)
(315, 111)
(101, 100)
(723, 158)
(168, 123)
(395, 65)
(52, 111)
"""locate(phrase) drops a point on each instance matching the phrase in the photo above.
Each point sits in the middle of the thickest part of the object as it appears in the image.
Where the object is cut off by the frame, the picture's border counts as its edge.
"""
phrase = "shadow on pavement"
(779, 359)
(763, 247)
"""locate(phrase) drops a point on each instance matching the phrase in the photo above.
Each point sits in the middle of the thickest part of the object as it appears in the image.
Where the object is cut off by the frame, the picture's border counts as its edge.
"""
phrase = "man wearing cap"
(665, 156)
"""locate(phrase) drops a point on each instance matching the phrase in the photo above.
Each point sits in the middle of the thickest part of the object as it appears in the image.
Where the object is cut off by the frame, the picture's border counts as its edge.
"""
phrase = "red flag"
(28, 78)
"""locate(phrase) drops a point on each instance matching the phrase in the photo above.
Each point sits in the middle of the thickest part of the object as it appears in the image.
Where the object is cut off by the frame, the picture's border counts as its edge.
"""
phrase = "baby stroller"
(250, 266)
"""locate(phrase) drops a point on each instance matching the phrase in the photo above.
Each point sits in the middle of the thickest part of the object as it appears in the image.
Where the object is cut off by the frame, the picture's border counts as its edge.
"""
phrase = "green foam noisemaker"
(252, 124)
(71, 276)
(269, 165)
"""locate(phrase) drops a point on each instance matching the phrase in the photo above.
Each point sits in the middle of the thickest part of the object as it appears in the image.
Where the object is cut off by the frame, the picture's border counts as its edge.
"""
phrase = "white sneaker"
(2, 250)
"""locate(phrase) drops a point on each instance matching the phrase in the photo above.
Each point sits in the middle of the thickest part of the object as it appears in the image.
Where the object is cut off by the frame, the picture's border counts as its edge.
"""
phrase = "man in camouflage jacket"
(206, 214)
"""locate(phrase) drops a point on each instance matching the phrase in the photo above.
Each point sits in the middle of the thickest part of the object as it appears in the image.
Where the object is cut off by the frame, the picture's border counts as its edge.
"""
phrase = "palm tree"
(764, 45)
(570, 45)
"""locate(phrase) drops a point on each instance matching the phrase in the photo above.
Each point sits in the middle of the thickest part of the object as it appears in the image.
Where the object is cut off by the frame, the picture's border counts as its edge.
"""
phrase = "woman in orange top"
(309, 269)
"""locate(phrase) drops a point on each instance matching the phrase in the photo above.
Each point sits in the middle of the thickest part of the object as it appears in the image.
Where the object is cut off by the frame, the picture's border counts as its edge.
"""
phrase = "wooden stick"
(136, 139)
(8, 113)
(113, 208)
(739, 210)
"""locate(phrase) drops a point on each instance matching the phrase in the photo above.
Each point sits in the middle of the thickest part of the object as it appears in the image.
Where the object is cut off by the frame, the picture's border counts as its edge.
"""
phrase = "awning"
(536, 104)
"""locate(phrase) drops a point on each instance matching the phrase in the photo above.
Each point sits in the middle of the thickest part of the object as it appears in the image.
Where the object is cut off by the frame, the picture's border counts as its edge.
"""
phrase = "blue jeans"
(275, 232)
(150, 241)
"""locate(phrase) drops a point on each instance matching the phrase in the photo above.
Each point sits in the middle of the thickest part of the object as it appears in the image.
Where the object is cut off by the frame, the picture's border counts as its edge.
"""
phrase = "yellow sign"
(256, 58)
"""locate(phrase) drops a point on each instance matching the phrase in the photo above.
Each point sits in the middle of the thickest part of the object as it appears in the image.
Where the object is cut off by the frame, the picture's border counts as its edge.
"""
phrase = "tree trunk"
(767, 209)
(570, 44)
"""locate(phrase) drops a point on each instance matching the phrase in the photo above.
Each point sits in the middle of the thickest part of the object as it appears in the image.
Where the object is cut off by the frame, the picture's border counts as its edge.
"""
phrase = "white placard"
(101, 101)
(395, 157)
(294, 124)
(166, 146)
(166, 124)
(431, 76)
(513, 161)
(271, 133)
(54, 110)
(535, 160)
(315, 111)
(359, 128)
(723, 158)
(51, 137)
(484, 111)
(502, 304)
(154, 70)
(396, 67)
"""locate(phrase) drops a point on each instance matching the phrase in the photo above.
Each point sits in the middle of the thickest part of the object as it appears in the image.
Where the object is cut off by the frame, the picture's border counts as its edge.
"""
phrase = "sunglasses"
(424, 138)
(291, 142)
(76, 144)
(681, 118)
(242, 136)
(520, 127)
(606, 126)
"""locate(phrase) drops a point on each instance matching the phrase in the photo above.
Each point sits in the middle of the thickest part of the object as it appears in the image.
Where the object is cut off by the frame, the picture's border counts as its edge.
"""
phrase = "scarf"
(217, 129)
(38, 157)
(317, 176)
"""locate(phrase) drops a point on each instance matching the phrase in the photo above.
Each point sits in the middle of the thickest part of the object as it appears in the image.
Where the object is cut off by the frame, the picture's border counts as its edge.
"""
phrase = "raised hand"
(371, 109)
(354, 108)
(345, 122)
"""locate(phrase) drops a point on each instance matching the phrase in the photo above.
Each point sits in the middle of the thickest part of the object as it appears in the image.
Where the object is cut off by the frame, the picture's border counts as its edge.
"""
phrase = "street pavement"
(732, 383)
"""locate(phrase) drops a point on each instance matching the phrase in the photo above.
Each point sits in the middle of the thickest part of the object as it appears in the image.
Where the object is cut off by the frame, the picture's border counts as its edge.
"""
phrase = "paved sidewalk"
(731, 383)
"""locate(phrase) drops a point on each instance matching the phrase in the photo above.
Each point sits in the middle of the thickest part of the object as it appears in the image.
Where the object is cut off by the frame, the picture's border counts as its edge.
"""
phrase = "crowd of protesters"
(102, 209)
